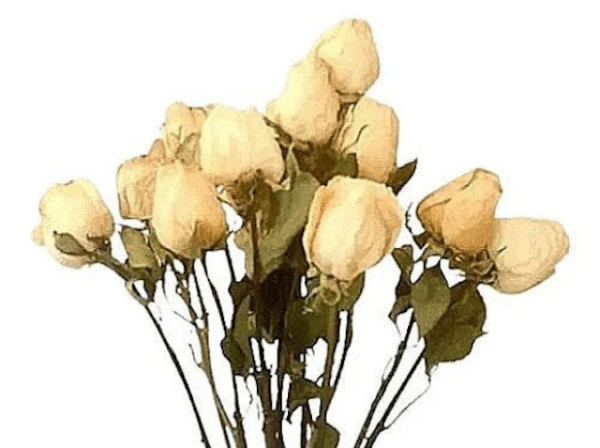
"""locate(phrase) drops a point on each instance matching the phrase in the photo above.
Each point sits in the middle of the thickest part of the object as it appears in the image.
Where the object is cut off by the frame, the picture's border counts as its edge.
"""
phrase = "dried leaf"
(430, 298)
(68, 245)
(138, 250)
(401, 175)
(302, 390)
(324, 436)
(454, 335)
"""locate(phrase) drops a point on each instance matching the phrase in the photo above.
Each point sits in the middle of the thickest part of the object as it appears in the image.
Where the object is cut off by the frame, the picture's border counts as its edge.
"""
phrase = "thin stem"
(385, 383)
(203, 340)
(333, 337)
(306, 421)
(381, 425)
(179, 369)
(239, 432)
(229, 262)
(347, 343)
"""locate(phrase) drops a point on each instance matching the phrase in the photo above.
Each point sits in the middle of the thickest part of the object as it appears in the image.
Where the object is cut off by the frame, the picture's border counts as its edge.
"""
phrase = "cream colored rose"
(371, 132)
(183, 127)
(525, 252)
(308, 107)
(348, 49)
(352, 225)
(235, 143)
(460, 215)
(187, 216)
(75, 208)
(136, 180)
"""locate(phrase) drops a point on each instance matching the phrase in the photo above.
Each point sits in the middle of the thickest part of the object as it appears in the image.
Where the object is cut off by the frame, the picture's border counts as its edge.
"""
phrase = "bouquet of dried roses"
(314, 181)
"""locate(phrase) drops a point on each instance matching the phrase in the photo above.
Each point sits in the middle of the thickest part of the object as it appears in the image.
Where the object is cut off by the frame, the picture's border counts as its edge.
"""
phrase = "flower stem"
(385, 384)
(182, 376)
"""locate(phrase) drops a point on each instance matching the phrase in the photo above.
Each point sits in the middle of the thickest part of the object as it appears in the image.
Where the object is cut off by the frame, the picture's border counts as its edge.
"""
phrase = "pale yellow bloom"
(352, 225)
(308, 107)
(183, 125)
(235, 143)
(136, 180)
(349, 50)
(371, 132)
(525, 252)
(187, 216)
(460, 215)
(77, 209)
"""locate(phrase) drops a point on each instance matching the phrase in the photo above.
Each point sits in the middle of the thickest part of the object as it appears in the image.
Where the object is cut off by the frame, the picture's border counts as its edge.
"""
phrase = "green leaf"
(302, 390)
(403, 257)
(160, 252)
(401, 175)
(67, 244)
(304, 326)
(287, 219)
(346, 166)
(430, 298)
(138, 250)
(236, 345)
(351, 294)
(324, 436)
(453, 337)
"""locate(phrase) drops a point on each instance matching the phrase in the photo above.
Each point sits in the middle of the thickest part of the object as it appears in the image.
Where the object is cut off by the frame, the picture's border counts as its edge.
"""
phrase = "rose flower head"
(308, 107)
(349, 51)
(352, 225)
(187, 215)
(76, 209)
(460, 215)
(371, 132)
(235, 143)
(525, 252)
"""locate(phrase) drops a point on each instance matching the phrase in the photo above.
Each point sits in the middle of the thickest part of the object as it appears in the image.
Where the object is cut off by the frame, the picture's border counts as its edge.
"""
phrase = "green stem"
(182, 376)
(239, 433)
(385, 384)
(380, 427)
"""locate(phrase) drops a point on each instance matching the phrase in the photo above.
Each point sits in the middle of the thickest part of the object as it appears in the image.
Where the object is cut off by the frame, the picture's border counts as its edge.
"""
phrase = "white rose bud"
(77, 209)
(308, 107)
(350, 52)
(525, 252)
(352, 225)
(187, 216)
(183, 125)
(371, 132)
(460, 215)
(235, 143)
(136, 180)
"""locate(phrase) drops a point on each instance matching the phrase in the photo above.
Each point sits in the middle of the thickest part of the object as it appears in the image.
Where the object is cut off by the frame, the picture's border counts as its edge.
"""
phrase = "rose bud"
(525, 252)
(348, 49)
(135, 180)
(308, 107)
(352, 225)
(460, 215)
(235, 143)
(183, 125)
(187, 216)
(74, 208)
(371, 132)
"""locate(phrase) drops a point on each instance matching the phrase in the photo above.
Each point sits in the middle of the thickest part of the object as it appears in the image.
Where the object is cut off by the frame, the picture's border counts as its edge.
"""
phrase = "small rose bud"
(183, 125)
(136, 180)
(460, 215)
(235, 143)
(352, 225)
(525, 252)
(348, 49)
(308, 107)
(187, 216)
(77, 209)
(371, 132)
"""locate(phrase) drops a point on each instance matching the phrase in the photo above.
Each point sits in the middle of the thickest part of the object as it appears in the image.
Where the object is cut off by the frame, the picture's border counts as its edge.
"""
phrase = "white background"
(511, 86)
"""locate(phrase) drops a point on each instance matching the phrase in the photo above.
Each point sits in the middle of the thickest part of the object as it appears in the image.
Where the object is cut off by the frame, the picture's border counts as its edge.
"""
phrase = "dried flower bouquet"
(315, 182)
